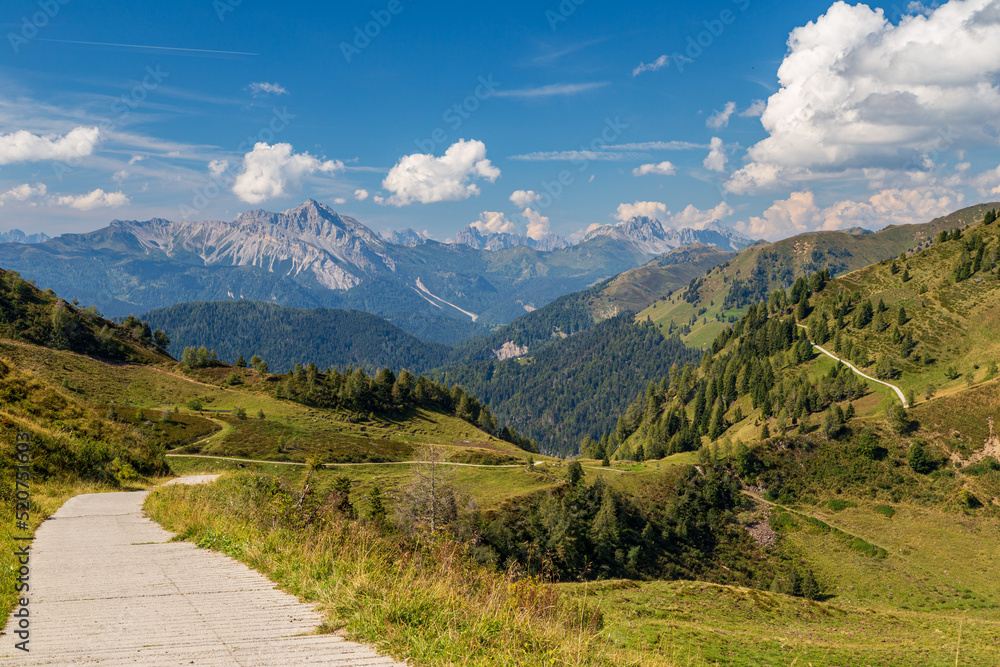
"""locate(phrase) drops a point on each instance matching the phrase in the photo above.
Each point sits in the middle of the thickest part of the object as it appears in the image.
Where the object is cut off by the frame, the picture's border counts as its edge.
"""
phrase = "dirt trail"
(899, 392)
(108, 587)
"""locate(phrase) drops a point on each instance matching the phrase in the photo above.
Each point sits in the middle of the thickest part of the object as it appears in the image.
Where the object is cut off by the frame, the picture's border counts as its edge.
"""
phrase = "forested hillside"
(577, 387)
(286, 336)
(713, 301)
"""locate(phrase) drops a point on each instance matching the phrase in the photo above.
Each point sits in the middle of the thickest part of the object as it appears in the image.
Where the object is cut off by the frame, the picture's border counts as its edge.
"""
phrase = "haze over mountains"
(311, 256)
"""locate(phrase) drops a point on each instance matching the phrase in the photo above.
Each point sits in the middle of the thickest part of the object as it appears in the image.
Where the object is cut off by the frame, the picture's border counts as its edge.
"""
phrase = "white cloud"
(263, 89)
(579, 235)
(23, 193)
(269, 171)
(96, 199)
(800, 213)
(893, 207)
(720, 119)
(644, 209)
(361, 194)
(663, 169)
(425, 179)
(785, 217)
(524, 198)
(576, 156)
(695, 218)
(717, 157)
(494, 222)
(858, 91)
(538, 224)
(659, 63)
(553, 89)
(136, 158)
(218, 167)
(339, 201)
(988, 182)
(755, 110)
(23, 146)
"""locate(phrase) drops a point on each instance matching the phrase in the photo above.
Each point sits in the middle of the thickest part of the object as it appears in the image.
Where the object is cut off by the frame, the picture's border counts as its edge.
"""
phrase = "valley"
(755, 503)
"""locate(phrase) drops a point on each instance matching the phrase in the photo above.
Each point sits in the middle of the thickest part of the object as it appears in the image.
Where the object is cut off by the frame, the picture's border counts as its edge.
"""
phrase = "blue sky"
(449, 114)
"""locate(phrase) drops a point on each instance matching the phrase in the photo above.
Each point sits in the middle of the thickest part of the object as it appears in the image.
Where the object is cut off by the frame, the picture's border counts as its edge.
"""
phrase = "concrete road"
(107, 588)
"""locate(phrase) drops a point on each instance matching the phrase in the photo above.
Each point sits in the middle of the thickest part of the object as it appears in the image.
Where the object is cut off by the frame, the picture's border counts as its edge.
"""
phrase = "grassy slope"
(936, 582)
(797, 256)
(636, 289)
(955, 324)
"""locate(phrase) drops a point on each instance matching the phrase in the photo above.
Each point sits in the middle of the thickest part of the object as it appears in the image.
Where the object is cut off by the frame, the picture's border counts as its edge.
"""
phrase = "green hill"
(712, 301)
(286, 336)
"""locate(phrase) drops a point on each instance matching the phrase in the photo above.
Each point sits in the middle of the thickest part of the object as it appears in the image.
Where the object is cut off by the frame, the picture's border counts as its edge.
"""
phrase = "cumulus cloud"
(720, 119)
(361, 194)
(524, 198)
(96, 199)
(894, 206)
(269, 171)
(640, 209)
(23, 193)
(858, 91)
(263, 89)
(659, 63)
(663, 169)
(717, 157)
(695, 218)
(425, 179)
(494, 222)
(23, 146)
(538, 224)
(339, 201)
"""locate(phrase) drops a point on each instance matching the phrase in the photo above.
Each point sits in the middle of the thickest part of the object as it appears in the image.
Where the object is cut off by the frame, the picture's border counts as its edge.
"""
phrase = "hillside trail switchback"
(108, 587)
(899, 392)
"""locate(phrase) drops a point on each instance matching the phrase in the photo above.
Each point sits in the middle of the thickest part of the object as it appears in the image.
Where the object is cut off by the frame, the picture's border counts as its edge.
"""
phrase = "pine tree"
(376, 510)
(241, 362)
(605, 532)
(902, 319)
(574, 472)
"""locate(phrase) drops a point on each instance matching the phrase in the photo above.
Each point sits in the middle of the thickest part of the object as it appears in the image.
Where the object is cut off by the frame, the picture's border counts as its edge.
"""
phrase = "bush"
(920, 461)
(196, 404)
(870, 446)
(837, 505)
(885, 510)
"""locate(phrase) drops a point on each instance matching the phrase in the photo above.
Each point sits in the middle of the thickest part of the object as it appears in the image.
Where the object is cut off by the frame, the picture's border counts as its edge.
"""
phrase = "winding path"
(108, 587)
(337, 465)
(899, 392)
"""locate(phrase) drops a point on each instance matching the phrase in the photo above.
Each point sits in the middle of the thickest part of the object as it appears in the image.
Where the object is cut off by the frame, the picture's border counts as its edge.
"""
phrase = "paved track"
(108, 588)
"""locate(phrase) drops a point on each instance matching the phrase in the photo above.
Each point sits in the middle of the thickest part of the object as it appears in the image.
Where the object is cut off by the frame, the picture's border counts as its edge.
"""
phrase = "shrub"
(196, 404)
(885, 510)
(920, 461)
(837, 504)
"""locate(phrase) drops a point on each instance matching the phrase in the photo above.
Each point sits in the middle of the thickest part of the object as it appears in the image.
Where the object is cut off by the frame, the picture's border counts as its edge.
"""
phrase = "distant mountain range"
(649, 236)
(311, 256)
(475, 238)
(17, 236)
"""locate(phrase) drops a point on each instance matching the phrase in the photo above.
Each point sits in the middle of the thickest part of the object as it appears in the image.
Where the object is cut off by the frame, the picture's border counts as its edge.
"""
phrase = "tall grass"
(418, 597)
